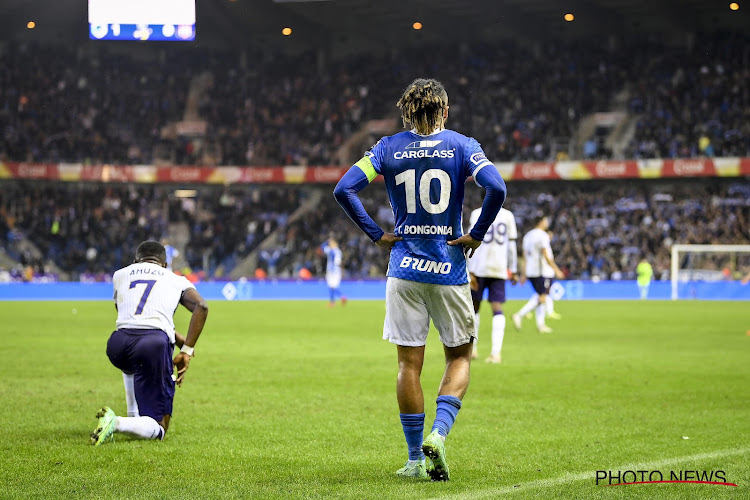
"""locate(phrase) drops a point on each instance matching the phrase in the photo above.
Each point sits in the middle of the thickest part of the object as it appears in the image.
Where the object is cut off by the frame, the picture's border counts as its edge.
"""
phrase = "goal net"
(709, 271)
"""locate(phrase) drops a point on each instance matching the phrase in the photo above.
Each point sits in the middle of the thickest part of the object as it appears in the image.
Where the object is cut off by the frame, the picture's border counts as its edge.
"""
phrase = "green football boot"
(417, 470)
(105, 428)
(434, 448)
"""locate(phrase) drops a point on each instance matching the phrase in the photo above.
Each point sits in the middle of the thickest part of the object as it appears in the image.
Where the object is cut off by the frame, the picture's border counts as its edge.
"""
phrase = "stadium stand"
(601, 228)
(523, 103)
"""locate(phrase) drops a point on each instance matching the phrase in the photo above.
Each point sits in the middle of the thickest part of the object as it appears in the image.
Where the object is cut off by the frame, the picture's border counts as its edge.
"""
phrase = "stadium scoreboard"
(161, 20)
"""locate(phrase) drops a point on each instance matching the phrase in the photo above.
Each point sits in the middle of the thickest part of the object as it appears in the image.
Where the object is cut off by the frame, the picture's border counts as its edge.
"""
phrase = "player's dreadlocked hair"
(422, 105)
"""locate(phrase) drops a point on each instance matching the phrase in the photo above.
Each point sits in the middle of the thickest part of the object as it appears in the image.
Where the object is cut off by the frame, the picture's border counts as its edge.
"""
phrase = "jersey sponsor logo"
(423, 153)
(423, 144)
(427, 229)
(427, 266)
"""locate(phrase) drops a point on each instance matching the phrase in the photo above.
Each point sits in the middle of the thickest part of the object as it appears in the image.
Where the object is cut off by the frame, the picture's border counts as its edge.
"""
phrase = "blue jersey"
(425, 178)
(333, 258)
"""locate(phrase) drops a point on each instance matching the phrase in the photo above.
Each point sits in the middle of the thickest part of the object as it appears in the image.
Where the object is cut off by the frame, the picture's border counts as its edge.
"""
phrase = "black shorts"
(147, 355)
(496, 287)
(541, 285)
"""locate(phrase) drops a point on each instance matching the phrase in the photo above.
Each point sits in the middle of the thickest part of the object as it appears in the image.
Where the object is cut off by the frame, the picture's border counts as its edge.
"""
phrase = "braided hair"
(423, 104)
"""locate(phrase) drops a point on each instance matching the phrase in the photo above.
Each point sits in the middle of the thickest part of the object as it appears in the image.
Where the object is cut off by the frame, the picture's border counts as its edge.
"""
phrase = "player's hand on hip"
(181, 362)
(473, 282)
(388, 240)
(469, 244)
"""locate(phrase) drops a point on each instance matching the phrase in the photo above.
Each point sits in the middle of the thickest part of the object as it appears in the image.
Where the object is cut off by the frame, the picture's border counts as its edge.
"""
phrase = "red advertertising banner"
(563, 170)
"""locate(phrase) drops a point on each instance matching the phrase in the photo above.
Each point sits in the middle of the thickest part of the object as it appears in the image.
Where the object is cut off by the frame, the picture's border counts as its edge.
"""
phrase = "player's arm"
(746, 279)
(558, 273)
(489, 178)
(345, 192)
(194, 303)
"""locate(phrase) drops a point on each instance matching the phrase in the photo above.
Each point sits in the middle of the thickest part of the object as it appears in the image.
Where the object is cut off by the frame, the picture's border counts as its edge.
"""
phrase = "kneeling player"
(492, 263)
(146, 297)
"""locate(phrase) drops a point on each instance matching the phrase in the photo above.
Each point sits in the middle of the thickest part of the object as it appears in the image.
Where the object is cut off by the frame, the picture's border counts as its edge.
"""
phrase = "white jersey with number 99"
(147, 295)
(490, 260)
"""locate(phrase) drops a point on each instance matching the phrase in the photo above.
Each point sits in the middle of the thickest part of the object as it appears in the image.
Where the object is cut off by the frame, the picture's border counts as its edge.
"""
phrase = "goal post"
(725, 255)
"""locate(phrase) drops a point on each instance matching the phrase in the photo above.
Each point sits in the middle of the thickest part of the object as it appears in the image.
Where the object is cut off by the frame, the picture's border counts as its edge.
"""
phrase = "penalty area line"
(580, 476)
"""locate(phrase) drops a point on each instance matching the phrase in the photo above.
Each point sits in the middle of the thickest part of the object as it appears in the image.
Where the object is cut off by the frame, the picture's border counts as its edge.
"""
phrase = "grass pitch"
(294, 400)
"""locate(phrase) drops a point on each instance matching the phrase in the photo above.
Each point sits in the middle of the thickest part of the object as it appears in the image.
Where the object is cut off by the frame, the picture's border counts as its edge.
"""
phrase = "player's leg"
(128, 382)
(451, 310)
(496, 297)
(149, 356)
(476, 300)
(540, 313)
(331, 289)
(527, 308)
(549, 304)
(406, 325)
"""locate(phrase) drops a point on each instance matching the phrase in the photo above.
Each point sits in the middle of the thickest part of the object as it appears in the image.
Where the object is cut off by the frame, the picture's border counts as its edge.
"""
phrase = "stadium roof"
(389, 22)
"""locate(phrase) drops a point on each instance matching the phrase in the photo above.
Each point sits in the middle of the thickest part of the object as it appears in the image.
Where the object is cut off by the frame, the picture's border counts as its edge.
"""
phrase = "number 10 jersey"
(146, 296)
(425, 178)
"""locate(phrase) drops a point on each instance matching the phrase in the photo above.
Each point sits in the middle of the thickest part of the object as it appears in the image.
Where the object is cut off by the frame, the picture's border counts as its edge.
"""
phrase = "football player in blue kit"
(425, 170)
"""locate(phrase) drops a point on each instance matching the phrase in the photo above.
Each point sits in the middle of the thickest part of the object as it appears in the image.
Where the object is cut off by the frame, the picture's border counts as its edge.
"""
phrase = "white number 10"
(408, 178)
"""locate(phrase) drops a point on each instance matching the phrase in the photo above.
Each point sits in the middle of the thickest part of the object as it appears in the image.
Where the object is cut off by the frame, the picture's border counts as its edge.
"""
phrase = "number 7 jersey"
(425, 178)
(147, 296)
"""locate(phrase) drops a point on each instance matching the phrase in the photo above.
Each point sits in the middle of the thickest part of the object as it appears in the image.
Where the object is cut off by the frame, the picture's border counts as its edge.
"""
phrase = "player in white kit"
(146, 297)
(540, 270)
(495, 261)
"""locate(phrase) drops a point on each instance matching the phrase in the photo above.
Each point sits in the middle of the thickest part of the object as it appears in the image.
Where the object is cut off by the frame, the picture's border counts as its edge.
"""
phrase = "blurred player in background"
(171, 253)
(540, 270)
(492, 264)
(425, 172)
(549, 301)
(333, 270)
(645, 272)
(146, 297)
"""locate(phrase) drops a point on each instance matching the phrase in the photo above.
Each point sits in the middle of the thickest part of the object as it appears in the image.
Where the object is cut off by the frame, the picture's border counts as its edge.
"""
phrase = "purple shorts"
(496, 287)
(147, 355)
(541, 285)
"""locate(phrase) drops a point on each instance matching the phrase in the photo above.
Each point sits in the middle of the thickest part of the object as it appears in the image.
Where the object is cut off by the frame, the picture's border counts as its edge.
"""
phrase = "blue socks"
(447, 410)
(413, 424)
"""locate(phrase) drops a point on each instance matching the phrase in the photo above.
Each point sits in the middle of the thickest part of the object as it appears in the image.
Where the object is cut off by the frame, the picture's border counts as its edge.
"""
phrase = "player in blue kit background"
(334, 272)
(425, 171)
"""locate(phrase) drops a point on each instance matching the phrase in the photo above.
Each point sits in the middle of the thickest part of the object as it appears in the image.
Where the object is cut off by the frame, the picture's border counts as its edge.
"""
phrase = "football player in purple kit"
(425, 170)
(146, 297)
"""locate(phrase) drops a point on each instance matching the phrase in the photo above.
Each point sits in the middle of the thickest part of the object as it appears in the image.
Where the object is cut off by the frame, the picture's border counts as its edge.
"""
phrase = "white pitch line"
(580, 476)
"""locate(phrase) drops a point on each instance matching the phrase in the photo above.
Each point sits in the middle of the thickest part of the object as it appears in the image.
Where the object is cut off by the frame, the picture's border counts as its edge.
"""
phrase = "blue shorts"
(541, 285)
(496, 287)
(147, 355)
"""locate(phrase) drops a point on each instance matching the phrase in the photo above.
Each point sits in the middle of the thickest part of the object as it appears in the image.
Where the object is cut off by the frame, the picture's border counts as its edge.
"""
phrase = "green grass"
(293, 400)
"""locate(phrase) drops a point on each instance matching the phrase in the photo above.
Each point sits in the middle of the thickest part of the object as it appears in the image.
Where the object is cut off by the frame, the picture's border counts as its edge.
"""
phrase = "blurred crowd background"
(552, 101)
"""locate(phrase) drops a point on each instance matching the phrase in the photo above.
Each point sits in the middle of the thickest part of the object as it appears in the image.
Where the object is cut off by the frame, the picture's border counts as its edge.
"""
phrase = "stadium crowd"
(600, 228)
(693, 104)
(61, 105)
(90, 230)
